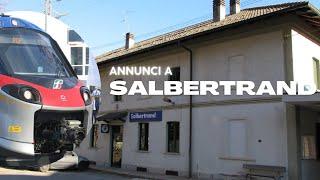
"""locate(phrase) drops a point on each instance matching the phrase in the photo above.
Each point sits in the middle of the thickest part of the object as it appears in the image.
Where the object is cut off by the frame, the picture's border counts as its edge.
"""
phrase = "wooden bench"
(273, 172)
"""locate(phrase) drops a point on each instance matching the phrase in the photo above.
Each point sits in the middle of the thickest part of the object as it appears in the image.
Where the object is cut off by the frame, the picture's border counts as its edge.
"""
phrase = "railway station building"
(211, 136)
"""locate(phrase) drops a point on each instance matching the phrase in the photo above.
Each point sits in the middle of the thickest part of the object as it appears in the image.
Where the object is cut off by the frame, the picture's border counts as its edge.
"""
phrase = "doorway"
(309, 130)
(116, 145)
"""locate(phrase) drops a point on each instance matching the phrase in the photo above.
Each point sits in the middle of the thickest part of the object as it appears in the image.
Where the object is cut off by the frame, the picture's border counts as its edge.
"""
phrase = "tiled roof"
(243, 15)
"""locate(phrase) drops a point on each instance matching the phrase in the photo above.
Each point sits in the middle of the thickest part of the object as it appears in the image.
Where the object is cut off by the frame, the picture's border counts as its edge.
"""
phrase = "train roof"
(10, 22)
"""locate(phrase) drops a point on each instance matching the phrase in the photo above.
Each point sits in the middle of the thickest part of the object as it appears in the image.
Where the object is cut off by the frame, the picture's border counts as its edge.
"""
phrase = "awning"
(114, 116)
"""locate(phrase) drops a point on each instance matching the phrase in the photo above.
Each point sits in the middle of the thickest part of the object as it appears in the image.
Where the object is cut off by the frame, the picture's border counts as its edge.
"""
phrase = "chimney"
(129, 40)
(219, 10)
(234, 6)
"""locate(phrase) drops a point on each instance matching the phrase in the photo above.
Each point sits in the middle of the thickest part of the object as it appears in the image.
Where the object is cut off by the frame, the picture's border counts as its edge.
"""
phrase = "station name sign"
(145, 116)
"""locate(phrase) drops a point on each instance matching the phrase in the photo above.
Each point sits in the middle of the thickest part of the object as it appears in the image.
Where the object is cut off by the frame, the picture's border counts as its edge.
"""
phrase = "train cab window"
(28, 52)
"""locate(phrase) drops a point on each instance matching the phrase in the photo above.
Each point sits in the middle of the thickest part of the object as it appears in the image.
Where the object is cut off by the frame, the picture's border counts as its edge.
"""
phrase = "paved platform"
(25, 174)
(135, 174)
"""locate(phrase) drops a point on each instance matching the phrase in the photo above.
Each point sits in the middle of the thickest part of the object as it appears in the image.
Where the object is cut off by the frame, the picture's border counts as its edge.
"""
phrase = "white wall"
(99, 154)
(303, 50)
(264, 122)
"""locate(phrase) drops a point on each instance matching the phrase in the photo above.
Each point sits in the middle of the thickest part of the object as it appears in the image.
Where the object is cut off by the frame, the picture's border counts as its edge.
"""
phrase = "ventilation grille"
(141, 169)
(172, 173)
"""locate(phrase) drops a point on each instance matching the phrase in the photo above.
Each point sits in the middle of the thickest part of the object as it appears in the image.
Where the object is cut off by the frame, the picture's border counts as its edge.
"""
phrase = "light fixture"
(168, 100)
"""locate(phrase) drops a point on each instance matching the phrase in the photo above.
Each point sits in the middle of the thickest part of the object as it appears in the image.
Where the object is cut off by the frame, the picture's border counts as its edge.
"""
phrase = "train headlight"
(27, 94)
(23, 92)
(85, 93)
(86, 96)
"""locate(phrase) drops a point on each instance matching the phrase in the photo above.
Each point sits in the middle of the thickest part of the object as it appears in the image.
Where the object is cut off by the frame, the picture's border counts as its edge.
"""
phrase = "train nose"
(58, 130)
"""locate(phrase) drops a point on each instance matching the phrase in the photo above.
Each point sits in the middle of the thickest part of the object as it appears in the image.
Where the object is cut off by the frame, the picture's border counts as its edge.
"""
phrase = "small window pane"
(143, 136)
(175, 74)
(78, 70)
(308, 147)
(87, 55)
(74, 36)
(76, 56)
(117, 98)
(86, 70)
(173, 130)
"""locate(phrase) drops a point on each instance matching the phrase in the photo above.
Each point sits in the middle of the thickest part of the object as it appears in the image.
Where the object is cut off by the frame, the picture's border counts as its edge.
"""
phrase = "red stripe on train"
(51, 97)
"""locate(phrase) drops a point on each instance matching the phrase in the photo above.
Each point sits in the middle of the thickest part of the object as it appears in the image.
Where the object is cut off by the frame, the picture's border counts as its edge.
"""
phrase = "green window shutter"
(316, 72)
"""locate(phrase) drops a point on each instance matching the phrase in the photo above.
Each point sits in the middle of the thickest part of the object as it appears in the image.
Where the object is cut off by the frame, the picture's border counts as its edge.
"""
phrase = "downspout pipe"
(190, 106)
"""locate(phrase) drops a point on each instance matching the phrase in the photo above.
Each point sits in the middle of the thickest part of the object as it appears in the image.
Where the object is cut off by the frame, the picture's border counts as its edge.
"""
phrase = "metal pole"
(46, 15)
(190, 108)
(47, 11)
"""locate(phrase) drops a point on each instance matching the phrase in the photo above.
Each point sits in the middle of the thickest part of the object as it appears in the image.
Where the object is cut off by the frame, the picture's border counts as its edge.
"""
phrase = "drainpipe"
(190, 107)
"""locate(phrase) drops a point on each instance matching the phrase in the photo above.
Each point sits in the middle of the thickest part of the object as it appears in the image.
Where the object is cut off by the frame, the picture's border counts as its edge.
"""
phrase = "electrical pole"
(47, 11)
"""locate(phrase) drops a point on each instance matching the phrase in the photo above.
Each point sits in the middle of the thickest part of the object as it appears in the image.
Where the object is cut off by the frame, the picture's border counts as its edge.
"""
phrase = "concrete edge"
(127, 174)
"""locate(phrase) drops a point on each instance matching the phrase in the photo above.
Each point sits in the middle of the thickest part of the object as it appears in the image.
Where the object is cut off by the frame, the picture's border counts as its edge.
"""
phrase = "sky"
(103, 23)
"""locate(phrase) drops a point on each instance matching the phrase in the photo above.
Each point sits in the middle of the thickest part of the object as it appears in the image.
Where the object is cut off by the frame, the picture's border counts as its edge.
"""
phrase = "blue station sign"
(145, 116)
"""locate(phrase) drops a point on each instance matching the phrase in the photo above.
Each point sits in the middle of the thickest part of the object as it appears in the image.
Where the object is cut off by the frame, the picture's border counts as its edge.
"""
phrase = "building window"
(117, 98)
(143, 136)
(77, 60)
(308, 147)
(73, 36)
(316, 72)
(76, 56)
(87, 55)
(78, 70)
(237, 138)
(173, 131)
(94, 136)
(86, 70)
(175, 74)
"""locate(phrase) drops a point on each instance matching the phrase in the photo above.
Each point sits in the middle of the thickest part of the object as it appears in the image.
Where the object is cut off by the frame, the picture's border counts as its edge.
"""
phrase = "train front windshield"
(25, 52)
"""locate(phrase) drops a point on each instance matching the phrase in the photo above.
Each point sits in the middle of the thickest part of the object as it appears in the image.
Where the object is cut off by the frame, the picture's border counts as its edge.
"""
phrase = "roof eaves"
(297, 5)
